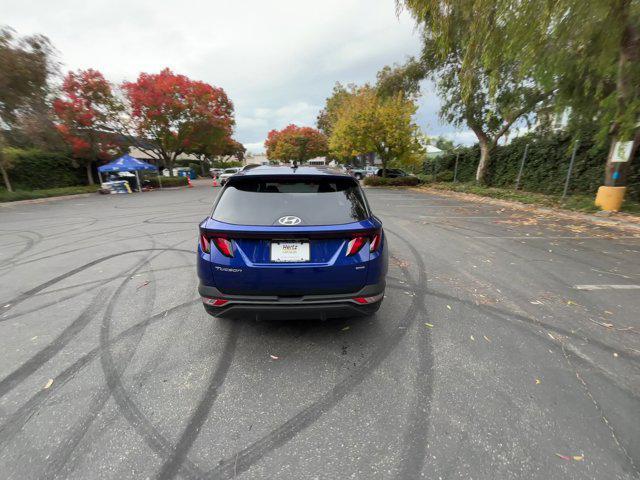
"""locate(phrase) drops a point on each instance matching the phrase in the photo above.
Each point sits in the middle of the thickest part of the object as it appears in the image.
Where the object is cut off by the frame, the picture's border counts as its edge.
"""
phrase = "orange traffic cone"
(215, 181)
(189, 182)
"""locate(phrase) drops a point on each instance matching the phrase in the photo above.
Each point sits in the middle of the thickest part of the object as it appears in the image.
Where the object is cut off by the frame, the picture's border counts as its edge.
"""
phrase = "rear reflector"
(204, 244)
(214, 302)
(367, 300)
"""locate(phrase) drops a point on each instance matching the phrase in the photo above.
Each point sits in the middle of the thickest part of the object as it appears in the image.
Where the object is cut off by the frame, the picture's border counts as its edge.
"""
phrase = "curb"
(46, 199)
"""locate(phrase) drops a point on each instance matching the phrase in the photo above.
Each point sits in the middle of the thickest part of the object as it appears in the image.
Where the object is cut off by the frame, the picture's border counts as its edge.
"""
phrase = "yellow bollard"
(610, 198)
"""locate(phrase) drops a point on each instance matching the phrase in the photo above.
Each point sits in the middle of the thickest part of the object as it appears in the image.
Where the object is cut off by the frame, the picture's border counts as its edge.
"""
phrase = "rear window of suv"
(316, 201)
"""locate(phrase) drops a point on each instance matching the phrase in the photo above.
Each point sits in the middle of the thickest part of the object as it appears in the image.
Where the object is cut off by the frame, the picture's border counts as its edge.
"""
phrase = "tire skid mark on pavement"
(28, 245)
(524, 323)
(242, 460)
(416, 435)
(26, 295)
(127, 406)
(560, 282)
(95, 284)
(93, 245)
(172, 465)
(56, 465)
(17, 420)
(25, 370)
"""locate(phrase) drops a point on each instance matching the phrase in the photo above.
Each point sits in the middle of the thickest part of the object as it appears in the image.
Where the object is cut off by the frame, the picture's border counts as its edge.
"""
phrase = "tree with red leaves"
(172, 114)
(87, 114)
(295, 143)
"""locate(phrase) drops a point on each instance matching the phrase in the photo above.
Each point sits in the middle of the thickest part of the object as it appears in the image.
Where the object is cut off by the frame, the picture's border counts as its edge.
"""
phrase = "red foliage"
(84, 112)
(295, 143)
(178, 113)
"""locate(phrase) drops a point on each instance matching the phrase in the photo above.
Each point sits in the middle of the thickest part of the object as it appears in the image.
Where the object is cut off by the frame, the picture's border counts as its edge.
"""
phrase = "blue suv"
(289, 243)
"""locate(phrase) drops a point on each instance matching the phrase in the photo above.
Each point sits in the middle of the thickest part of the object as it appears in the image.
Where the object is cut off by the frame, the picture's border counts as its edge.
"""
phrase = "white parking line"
(607, 287)
(556, 237)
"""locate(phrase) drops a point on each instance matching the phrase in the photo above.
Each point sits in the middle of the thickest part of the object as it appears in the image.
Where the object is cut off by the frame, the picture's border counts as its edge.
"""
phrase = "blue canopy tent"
(127, 163)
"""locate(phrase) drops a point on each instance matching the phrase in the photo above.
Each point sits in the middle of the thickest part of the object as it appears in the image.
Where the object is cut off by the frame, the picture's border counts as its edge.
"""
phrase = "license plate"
(284, 252)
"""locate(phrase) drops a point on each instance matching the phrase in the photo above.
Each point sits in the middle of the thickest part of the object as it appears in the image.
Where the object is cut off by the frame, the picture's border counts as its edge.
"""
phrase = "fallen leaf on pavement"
(429, 325)
(346, 328)
(578, 458)
(538, 382)
(608, 312)
(449, 307)
(571, 302)
(473, 339)
(274, 357)
(487, 338)
(49, 383)
(602, 324)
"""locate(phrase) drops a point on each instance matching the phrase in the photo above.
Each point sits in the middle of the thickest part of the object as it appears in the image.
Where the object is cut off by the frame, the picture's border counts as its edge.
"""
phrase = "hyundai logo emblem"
(289, 220)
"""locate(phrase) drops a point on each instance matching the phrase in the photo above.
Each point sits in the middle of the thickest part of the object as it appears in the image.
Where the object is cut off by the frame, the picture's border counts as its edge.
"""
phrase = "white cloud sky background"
(277, 60)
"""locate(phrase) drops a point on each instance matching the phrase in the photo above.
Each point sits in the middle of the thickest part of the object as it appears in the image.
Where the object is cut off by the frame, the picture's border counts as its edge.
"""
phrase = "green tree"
(488, 100)
(366, 123)
(26, 66)
(404, 79)
(329, 114)
(588, 53)
(442, 143)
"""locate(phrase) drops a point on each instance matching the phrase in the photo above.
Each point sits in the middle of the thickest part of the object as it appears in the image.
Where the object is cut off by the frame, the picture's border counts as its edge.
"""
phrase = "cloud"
(278, 61)
(255, 147)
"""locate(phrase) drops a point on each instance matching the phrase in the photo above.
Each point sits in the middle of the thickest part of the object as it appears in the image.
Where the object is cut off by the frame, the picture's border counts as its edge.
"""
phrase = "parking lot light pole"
(455, 169)
(524, 159)
(573, 158)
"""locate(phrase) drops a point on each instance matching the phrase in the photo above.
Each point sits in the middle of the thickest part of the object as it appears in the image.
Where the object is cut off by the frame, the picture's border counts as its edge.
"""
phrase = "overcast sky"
(277, 59)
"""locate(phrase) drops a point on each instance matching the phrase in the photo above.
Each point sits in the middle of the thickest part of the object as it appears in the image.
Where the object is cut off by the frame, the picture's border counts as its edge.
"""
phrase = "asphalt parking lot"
(508, 346)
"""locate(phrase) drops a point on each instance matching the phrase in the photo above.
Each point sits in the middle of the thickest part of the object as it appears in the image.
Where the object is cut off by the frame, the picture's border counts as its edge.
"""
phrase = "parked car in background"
(291, 243)
(366, 171)
(393, 173)
(215, 172)
(224, 176)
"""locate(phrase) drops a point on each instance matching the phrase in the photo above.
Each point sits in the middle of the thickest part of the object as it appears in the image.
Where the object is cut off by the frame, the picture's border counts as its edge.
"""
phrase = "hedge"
(545, 168)
(376, 181)
(168, 182)
(34, 169)
(6, 196)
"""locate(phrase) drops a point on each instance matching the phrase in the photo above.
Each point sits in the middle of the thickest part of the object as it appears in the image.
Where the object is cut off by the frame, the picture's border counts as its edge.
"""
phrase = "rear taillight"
(356, 243)
(375, 242)
(224, 245)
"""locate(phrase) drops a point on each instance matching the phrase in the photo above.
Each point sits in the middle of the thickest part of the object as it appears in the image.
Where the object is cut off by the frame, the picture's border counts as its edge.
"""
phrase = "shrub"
(34, 169)
(168, 182)
(376, 181)
(546, 165)
(52, 192)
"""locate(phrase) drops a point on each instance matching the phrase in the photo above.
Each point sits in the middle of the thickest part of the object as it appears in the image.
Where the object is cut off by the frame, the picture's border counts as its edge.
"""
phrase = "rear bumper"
(318, 307)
